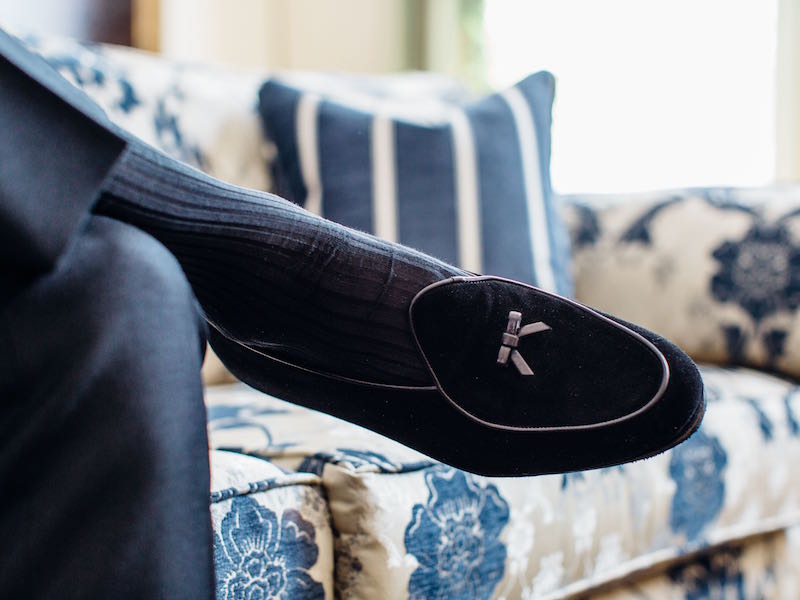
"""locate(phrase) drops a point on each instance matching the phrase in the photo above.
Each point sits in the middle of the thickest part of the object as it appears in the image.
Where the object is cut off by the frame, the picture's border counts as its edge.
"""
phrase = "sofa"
(307, 506)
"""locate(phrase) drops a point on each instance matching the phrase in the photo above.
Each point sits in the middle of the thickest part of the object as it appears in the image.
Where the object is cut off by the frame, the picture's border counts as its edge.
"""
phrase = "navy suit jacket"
(53, 160)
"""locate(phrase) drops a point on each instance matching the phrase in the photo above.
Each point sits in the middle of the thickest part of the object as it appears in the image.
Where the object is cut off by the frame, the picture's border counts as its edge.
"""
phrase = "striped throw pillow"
(467, 183)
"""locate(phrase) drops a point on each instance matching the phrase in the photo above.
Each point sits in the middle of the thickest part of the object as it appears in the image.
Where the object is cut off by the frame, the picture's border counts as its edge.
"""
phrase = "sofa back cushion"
(716, 270)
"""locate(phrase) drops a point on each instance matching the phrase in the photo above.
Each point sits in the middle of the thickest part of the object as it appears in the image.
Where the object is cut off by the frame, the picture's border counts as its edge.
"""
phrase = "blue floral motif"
(224, 413)
(96, 75)
(639, 230)
(576, 477)
(454, 537)
(716, 575)
(697, 468)
(257, 558)
(791, 418)
(760, 272)
(359, 459)
(724, 199)
(735, 342)
(166, 123)
(764, 423)
(587, 230)
(224, 416)
(571, 477)
(775, 344)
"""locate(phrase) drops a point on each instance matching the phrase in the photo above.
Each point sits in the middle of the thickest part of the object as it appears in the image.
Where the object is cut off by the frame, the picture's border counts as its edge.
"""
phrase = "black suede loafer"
(524, 382)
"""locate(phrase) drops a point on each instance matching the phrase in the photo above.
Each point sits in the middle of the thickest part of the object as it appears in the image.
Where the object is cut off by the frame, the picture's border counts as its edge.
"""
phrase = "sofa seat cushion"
(407, 526)
(272, 535)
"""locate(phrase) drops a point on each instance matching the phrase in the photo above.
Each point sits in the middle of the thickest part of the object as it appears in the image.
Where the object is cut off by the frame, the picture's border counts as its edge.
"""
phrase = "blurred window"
(649, 94)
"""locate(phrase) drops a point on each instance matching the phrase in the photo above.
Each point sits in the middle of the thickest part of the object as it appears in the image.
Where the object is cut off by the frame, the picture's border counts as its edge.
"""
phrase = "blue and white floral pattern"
(757, 570)
(359, 460)
(585, 230)
(717, 575)
(640, 229)
(760, 272)
(97, 78)
(716, 270)
(792, 405)
(257, 557)
(697, 467)
(168, 130)
(112, 86)
(242, 417)
(455, 538)
(203, 116)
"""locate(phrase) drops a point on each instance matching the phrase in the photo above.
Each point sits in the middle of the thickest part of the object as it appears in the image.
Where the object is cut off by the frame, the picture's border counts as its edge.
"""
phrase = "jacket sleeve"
(56, 147)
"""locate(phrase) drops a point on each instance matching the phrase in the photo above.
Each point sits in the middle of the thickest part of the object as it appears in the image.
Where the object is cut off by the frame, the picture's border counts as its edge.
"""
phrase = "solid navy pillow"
(467, 183)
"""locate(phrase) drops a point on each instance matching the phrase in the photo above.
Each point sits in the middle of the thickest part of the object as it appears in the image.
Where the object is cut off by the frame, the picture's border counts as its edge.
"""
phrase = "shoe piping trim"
(390, 386)
(647, 343)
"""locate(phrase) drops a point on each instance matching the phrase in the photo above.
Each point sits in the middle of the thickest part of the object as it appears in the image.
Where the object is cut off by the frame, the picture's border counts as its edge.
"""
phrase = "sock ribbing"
(275, 277)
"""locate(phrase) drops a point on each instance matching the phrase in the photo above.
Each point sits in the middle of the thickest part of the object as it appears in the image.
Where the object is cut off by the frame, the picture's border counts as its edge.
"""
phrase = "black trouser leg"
(103, 453)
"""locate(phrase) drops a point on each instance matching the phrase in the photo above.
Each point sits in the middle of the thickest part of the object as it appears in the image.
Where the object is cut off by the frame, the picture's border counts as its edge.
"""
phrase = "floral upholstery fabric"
(767, 567)
(272, 536)
(202, 115)
(408, 527)
(715, 270)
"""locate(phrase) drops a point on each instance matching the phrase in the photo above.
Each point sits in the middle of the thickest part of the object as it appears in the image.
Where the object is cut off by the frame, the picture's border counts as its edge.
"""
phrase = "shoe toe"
(514, 357)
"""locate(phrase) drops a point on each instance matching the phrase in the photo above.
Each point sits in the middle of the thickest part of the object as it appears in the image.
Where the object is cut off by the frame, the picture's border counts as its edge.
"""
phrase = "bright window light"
(650, 94)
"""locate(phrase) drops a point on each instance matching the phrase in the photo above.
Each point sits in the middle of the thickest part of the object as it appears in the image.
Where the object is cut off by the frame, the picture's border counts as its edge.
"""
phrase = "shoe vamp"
(575, 369)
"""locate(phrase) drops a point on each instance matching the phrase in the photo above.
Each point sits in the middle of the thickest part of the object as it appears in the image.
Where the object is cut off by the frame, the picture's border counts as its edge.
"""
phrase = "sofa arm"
(272, 534)
(716, 270)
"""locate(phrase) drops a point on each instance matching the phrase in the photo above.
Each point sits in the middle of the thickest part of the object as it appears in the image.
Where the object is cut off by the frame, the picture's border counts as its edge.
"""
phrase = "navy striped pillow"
(467, 183)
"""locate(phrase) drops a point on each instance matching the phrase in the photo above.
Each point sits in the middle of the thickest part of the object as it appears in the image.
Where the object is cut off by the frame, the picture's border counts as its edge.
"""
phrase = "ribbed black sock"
(275, 277)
